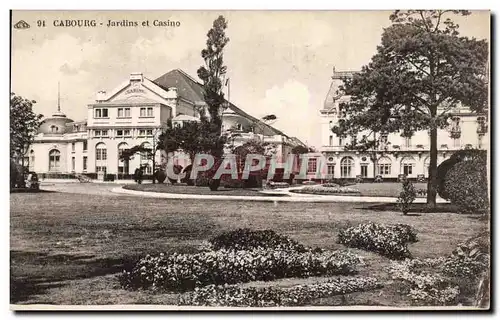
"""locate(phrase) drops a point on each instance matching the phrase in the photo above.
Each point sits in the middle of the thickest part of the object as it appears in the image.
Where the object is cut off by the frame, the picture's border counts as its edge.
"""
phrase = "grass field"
(68, 248)
(384, 189)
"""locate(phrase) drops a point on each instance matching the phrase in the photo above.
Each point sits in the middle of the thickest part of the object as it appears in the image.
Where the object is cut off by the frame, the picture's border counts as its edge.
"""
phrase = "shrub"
(236, 296)
(406, 196)
(180, 272)
(445, 166)
(387, 240)
(467, 186)
(246, 239)
(160, 176)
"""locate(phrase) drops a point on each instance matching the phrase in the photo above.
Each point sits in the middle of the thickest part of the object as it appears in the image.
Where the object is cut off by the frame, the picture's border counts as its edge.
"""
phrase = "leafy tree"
(127, 154)
(24, 124)
(212, 74)
(299, 149)
(421, 71)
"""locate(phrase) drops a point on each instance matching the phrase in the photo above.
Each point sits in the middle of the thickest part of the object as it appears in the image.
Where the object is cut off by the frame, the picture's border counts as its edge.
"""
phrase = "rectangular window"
(407, 142)
(72, 147)
(364, 170)
(312, 165)
(408, 169)
(149, 132)
(126, 132)
(331, 170)
(73, 164)
(101, 154)
(341, 141)
(123, 112)
(101, 113)
(104, 133)
(142, 132)
(146, 112)
(101, 168)
(97, 133)
(85, 163)
(384, 169)
(85, 146)
(330, 141)
(456, 143)
(119, 133)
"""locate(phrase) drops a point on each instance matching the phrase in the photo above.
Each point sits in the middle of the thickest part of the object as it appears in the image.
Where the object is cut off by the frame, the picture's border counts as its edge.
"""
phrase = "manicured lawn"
(384, 189)
(185, 189)
(67, 248)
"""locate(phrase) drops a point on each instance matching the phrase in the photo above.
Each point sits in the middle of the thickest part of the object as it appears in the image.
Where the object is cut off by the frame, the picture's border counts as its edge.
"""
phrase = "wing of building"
(130, 115)
(396, 154)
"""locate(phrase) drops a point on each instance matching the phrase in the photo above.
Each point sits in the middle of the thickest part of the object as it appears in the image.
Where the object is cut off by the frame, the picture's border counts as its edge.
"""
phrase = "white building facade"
(396, 155)
(130, 115)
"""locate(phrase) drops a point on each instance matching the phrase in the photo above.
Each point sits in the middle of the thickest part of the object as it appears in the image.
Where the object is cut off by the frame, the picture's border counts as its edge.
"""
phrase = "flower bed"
(236, 296)
(442, 281)
(246, 239)
(388, 240)
(277, 185)
(327, 190)
(180, 272)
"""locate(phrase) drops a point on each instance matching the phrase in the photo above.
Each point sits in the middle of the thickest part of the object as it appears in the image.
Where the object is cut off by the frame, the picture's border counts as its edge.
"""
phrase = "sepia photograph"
(250, 160)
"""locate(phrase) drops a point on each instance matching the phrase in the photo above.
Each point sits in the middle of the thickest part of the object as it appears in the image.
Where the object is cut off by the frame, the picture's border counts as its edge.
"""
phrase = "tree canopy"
(24, 124)
(421, 71)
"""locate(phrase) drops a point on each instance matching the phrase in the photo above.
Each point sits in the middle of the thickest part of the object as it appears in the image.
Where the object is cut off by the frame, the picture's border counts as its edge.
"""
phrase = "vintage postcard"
(332, 160)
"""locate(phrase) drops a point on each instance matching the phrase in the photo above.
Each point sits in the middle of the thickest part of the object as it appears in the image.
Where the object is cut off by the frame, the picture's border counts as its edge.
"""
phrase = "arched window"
(408, 166)
(54, 160)
(122, 165)
(101, 157)
(346, 167)
(101, 153)
(384, 166)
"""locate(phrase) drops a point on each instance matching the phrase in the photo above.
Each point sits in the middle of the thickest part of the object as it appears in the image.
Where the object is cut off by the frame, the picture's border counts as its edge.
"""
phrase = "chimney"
(136, 76)
(101, 96)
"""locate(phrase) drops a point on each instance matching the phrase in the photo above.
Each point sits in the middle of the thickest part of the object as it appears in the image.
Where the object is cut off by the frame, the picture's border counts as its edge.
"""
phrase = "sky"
(279, 62)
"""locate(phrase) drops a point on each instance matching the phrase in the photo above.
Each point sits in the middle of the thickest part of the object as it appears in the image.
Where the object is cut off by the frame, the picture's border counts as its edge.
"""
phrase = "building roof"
(190, 89)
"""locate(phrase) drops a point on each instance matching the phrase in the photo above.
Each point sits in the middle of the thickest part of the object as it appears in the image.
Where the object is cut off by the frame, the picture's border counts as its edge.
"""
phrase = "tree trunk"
(432, 182)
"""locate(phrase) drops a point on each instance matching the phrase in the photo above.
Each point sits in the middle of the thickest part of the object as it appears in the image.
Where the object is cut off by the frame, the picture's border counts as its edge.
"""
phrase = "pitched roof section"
(190, 89)
(186, 86)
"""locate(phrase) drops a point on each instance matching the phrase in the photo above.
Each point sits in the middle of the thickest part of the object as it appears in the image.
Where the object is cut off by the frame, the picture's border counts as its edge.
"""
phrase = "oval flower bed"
(236, 296)
(327, 190)
(180, 272)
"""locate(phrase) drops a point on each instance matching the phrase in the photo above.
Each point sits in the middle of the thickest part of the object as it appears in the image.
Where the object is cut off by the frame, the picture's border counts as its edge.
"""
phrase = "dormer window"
(54, 129)
(239, 127)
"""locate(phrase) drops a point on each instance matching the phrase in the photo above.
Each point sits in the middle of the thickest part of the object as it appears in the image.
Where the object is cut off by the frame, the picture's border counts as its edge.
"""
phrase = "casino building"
(396, 155)
(130, 115)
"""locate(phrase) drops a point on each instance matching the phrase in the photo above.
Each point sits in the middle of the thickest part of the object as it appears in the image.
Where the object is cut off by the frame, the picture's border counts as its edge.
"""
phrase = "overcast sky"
(279, 62)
